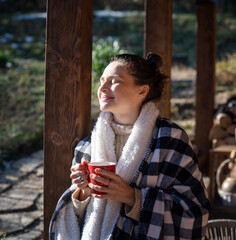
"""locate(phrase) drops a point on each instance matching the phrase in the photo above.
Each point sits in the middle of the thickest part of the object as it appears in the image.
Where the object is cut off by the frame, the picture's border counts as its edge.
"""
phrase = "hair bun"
(155, 60)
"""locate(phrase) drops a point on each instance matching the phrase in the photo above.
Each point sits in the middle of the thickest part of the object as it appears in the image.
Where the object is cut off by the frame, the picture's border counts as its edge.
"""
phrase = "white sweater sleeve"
(134, 212)
(79, 206)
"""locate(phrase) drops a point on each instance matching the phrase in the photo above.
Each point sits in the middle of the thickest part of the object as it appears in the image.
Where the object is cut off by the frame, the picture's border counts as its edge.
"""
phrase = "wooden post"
(67, 93)
(158, 38)
(206, 57)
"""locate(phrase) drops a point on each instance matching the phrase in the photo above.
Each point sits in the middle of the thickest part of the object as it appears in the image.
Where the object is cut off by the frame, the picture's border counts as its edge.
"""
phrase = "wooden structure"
(68, 81)
(158, 38)
(67, 92)
(205, 94)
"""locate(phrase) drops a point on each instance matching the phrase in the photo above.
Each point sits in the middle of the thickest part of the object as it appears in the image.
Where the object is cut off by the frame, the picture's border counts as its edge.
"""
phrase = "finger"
(98, 188)
(84, 161)
(77, 167)
(84, 164)
(82, 185)
(74, 167)
(79, 182)
(80, 166)
(107, 174)
(101, 196)
(78, 174)
(100, 179)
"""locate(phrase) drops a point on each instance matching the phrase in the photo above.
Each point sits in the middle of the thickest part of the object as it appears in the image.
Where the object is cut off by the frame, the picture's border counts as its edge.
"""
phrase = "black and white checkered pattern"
(175, 203)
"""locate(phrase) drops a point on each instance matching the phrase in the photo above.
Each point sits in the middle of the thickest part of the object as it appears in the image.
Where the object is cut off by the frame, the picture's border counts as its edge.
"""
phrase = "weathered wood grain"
(158, 38)
(205, 89)
(67, 93)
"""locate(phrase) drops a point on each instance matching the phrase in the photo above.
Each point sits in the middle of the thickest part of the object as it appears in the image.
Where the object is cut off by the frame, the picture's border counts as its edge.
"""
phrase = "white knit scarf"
(101, 214)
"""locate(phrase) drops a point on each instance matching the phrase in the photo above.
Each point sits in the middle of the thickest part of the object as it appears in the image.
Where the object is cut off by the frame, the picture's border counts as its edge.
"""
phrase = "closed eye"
(111, 80)
(115, 80)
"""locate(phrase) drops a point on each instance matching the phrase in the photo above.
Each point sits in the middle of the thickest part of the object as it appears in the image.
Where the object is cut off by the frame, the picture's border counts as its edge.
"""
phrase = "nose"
(104, 86)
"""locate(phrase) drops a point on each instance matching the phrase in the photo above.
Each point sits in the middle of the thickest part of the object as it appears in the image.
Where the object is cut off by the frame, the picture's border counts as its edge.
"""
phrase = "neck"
(126, 119)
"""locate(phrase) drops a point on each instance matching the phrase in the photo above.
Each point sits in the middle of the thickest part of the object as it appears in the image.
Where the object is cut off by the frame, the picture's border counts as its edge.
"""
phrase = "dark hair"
(145, 71)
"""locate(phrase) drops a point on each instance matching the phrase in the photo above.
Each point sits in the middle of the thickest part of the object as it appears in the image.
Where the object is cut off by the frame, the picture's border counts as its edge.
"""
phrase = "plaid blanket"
(174, 199)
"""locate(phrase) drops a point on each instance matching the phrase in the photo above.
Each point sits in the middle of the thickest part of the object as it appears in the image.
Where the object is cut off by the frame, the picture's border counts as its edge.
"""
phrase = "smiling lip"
(104, 98)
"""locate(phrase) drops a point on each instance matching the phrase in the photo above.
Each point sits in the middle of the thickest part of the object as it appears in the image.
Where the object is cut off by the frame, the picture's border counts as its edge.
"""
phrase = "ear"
(144, 90)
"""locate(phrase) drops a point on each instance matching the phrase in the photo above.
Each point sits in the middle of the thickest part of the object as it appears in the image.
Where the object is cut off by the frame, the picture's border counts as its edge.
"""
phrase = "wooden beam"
(205, 89)
(67, 93)
(158, 38)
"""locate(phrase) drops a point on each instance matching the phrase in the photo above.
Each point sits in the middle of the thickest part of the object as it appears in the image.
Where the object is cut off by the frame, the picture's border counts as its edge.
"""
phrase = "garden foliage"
(22, 66)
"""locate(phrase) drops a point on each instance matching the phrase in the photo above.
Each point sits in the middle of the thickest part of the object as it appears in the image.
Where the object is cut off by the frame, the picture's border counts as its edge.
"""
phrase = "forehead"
(116, 68)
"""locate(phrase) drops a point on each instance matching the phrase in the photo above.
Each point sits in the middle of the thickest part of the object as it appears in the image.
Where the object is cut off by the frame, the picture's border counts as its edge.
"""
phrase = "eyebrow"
(113, 75)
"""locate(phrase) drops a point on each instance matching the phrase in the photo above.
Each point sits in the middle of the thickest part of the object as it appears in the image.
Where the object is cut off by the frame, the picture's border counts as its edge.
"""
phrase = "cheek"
(117, 90)
(98, 92)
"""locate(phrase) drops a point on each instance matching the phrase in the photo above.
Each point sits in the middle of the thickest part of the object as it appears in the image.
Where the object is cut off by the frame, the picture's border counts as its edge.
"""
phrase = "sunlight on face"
(118, 93)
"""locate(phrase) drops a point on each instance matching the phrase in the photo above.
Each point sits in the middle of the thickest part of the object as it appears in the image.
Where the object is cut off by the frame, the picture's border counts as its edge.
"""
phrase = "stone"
(17, 199)
(4, 187)
(11, 176)
(14, 222)
(39, 172)
(31, 182)
(9, 205)
(21, 198)
(27, 164)
(40, 225)
(30, 235)
(39, 202)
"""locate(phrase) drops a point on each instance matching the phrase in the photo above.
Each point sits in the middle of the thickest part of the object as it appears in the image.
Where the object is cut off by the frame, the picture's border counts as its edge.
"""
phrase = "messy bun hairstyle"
(145, 72)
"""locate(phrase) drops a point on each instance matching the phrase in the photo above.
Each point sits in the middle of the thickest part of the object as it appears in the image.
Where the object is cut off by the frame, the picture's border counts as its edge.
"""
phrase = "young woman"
(157, 191)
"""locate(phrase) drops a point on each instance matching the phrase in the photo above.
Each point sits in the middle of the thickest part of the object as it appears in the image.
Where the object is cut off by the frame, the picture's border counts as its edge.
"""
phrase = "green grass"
(22, 100)
(22, 83)
(22, 106)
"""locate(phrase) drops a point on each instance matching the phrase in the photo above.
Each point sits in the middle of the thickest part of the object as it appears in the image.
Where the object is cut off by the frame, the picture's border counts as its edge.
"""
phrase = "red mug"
(109, 166)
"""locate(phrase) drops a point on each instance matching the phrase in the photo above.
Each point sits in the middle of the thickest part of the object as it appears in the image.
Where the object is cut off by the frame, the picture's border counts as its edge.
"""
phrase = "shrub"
(21, 109)
(226, 71)
(22, 100)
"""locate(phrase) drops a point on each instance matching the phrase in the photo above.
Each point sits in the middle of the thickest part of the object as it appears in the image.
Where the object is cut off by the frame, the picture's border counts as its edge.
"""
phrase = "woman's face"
(118, 93)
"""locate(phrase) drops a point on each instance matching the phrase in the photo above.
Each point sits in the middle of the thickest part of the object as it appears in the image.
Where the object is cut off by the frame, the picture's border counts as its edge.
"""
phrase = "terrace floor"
(21, 199)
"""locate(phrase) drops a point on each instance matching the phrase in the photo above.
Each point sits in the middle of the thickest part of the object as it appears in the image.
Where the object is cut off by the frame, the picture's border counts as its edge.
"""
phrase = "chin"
(104, 108)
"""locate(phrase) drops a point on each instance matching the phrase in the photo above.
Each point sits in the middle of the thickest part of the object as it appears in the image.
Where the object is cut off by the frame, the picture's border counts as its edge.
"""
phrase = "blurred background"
(118, 27)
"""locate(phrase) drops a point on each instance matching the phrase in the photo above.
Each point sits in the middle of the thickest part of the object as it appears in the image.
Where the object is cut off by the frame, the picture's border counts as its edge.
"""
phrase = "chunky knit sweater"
(157, 159)
(122, 133)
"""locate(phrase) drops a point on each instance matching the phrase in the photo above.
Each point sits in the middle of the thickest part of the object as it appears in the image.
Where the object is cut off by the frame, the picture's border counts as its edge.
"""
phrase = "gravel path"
(21, 199)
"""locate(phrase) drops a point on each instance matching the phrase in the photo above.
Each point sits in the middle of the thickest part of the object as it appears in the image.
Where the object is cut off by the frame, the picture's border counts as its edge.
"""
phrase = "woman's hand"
(116, 189)
(80, 176)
